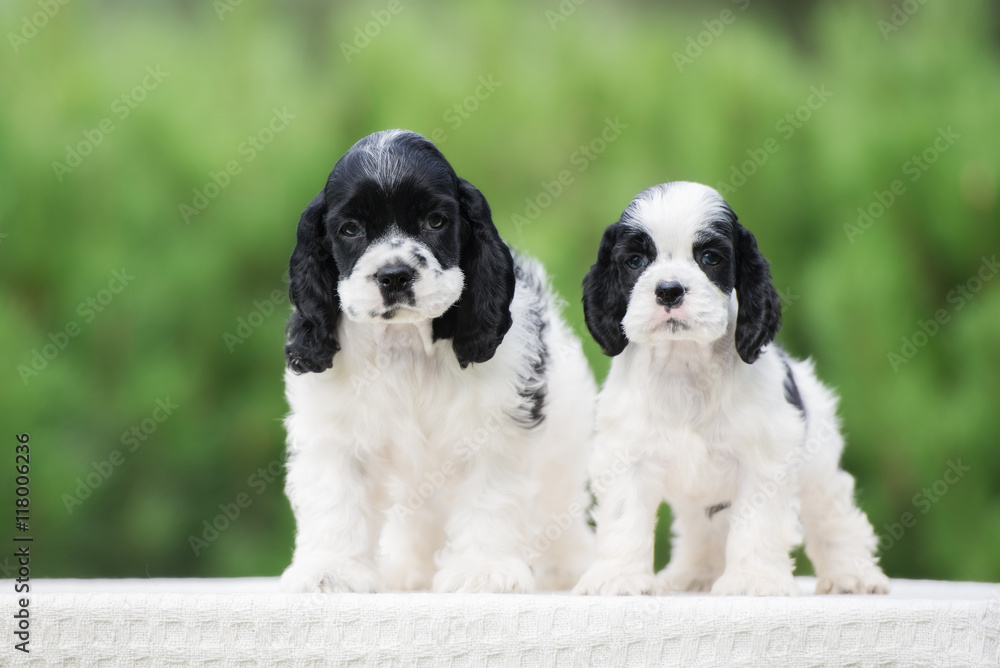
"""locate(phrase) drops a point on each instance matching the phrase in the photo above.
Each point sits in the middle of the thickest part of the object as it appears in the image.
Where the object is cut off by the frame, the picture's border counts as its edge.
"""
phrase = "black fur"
(792, 395)
(717, 508)
(481, 317)
(533, 386)
(605, 298)
(759, 317)
(312, 288)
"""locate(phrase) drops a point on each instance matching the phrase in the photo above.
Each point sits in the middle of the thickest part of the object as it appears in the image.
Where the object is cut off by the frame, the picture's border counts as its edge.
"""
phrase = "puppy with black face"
(698, 410)
(441, 411)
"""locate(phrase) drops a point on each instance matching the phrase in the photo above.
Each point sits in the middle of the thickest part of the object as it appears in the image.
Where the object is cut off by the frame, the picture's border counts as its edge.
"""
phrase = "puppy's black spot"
(390, 314)
(717, 508)
(792, 395)
(533, 384)
(419, 260)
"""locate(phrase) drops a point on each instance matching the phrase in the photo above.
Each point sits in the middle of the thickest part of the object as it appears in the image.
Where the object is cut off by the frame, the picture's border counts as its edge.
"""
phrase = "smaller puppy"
(741, 440)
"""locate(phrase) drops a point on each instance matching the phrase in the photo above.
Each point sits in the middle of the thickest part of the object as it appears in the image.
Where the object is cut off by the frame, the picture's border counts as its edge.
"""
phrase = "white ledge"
(246, 620)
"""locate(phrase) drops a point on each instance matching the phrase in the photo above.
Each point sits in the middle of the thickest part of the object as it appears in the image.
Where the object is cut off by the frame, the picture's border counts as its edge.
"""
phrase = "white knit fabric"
(246, 622)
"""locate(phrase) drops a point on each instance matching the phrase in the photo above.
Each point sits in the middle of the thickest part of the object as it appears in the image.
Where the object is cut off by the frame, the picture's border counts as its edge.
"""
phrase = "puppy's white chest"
(673, 420)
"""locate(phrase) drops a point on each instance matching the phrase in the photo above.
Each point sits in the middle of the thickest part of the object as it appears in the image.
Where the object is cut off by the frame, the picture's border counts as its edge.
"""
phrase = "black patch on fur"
(792, 395)
(533, 385)
(717, 508)
(608, 284)
(718, 238)
(481, 317)
(312, 288)
(759, 316)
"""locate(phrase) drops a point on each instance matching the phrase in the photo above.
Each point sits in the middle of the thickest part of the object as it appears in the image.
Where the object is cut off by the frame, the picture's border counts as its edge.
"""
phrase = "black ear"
(313, 276)
(604, 298)
(759, 316)
(481, 317)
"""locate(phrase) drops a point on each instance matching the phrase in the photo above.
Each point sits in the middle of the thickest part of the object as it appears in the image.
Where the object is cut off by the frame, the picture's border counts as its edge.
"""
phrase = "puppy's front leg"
(332, 497)
(627, 500)
(486, 529)
(762, 531)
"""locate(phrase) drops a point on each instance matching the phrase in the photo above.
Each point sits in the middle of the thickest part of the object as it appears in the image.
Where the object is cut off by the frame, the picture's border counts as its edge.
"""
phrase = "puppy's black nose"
(394, 278)
(669, 294)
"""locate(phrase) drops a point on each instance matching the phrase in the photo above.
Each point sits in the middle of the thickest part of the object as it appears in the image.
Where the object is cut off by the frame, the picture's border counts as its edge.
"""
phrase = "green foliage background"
(849, 302)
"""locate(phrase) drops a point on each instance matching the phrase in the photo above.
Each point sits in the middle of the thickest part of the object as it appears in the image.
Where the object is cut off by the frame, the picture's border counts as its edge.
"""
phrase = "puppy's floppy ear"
(759, 316)
(312, 288)
(604, 298)
(481, 317)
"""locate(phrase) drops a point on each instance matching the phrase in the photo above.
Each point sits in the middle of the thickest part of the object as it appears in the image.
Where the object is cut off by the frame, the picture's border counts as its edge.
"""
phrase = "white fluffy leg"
(627, 501)
(698, 550)
(562, 561)
(760, 538)
(840, 541)
(409, 541)
(337, 525)
(485, 549)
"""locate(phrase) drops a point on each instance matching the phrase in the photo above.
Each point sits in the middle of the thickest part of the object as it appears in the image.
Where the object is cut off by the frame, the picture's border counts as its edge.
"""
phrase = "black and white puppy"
(441, 410)
(698, 410)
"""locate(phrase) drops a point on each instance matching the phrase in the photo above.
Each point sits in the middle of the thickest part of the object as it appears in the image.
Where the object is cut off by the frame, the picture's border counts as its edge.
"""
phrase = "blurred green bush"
(190, 136)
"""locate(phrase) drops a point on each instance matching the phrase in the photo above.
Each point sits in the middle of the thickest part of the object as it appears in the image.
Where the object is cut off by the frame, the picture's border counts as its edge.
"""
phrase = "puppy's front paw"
(604, 579)
(324, 575)
(870, 582)
(399, 578)
(678, 580)
(506, 576)
(758, 584)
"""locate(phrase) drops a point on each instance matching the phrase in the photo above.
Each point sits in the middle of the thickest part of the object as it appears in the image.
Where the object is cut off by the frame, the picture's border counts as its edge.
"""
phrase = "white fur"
(435, 289)
(682, 418)
(406, 471)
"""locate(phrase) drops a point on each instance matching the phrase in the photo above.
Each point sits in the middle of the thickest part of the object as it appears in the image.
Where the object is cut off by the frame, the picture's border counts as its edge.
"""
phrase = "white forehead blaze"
(673, 214)
(381, 164)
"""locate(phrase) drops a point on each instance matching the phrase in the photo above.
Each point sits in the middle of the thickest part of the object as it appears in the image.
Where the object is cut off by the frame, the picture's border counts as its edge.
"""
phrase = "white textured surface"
(246, 622)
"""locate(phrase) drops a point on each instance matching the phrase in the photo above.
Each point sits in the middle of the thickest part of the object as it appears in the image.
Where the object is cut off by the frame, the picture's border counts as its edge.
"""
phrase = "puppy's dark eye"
(433, 222)
(635, 262)
(710, 258)
(350, 229)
